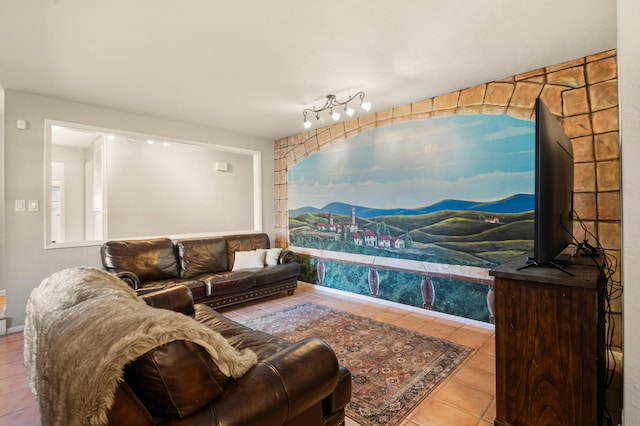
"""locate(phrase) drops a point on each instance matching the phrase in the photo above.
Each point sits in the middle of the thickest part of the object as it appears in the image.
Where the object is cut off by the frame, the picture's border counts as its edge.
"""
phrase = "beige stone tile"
(472, 95)
(476, 379)
(609, 205)
(608, 173)
(351, 422)
(422, 106)
(384, 115)
(525, 94)
(584, 177)
(531, 75)
(604, 95)
(440, 329)
(577, 126)
(384, 315)
(606, 146)
(583, 150)
(605, 121)
(584, 203)
(448, 101)
(605, 69)
(402, 111)
(575, 102)
(482, 361)
(490, 414)
(609, 235)
(438, 413)
(470, 336)
(552, 98)
(467, 399)
(489, 348)
(572, 77)
(498, 94)
(412, 321)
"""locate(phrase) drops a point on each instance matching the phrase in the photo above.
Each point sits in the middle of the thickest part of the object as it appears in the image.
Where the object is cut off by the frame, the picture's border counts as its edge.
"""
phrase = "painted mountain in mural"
(518, 203)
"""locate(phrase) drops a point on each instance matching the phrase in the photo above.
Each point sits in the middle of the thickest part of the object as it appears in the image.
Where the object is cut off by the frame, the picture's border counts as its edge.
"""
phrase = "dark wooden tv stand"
(550, 345)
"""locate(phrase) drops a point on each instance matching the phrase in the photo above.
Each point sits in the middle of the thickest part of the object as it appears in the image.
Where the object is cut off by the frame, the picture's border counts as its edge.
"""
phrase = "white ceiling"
(252, 66)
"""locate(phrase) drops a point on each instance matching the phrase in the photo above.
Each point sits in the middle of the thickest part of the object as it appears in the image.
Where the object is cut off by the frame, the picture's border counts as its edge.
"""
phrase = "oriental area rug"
(392, 368)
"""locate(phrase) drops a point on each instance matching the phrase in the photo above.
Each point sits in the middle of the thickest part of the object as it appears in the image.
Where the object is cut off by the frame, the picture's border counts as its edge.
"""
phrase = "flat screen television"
(553, 189)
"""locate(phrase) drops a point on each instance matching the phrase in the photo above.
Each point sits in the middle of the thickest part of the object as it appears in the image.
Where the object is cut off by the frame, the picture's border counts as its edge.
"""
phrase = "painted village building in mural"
(350, 232)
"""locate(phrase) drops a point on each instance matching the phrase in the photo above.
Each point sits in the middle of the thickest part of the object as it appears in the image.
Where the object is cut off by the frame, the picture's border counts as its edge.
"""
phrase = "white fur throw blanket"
(83, 326)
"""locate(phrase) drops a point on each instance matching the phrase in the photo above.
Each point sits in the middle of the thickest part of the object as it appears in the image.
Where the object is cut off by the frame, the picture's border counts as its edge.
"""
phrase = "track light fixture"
(332, 103)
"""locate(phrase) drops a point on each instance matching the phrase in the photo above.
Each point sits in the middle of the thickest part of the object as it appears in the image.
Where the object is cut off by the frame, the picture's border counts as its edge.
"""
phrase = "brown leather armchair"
(293, 383)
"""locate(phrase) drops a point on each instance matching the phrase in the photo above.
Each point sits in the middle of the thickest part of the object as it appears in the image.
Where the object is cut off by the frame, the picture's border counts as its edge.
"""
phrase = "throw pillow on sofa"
(271, 256)
(248, 260)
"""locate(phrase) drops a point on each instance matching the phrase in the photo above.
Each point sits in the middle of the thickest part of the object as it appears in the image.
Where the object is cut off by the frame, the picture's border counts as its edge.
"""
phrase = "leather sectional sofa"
(168, 361)
(293, 383)
(208, 266)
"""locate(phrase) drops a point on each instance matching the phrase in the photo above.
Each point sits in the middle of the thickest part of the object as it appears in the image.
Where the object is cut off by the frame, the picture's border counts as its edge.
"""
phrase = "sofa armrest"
(178, 298)
(286, 256)
(280, 388)
(127, 276)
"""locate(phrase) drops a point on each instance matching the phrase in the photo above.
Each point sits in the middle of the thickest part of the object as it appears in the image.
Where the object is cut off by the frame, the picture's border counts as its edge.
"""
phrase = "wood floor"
(465, 398)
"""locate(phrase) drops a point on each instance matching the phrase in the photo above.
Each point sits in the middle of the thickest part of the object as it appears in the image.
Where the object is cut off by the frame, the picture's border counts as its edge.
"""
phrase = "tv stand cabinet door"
(546, 354)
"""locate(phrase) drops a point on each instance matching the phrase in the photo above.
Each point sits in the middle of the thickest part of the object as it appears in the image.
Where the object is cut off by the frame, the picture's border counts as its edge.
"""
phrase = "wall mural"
(452, 190)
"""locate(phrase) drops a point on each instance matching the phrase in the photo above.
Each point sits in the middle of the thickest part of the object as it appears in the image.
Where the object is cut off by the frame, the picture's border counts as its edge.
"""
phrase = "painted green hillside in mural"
(472, 238)
(449, 190)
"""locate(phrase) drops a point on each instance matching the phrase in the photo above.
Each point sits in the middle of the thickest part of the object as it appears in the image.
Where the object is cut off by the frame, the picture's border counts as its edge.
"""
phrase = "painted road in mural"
(455, 190)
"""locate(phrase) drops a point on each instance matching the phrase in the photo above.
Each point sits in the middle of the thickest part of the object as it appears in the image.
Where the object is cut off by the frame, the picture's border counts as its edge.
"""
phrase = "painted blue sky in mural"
(418, 163)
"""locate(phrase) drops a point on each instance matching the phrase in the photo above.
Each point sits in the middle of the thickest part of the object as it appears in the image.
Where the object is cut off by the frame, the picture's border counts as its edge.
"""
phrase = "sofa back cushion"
(244, 243)
(202, 255)
(150, 259)
(175, 379)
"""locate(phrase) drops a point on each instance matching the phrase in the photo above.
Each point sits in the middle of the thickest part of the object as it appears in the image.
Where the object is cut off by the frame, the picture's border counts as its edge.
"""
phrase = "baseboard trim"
(16, 329)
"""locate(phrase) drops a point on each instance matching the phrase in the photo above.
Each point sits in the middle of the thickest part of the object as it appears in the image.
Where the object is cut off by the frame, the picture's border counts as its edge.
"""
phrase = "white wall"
(26, 262)
(2, 202)
(629, 92)
(73, 159)
(155, 190)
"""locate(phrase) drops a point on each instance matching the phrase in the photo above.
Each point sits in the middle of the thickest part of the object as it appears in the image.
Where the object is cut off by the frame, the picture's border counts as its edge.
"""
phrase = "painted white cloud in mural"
(418, 163)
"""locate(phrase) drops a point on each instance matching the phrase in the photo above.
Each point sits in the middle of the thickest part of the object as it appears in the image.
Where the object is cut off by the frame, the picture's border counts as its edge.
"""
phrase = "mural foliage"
(452, 190)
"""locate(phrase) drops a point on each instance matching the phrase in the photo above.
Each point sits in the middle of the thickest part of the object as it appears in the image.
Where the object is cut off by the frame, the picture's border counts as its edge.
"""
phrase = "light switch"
(21, 205)
(34, 205)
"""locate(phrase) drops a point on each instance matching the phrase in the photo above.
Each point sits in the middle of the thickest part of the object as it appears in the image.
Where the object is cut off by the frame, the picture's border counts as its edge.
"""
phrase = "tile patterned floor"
(466, 397)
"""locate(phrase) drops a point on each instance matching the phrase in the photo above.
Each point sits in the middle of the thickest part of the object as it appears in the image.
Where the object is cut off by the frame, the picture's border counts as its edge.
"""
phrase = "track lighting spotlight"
(331, 103)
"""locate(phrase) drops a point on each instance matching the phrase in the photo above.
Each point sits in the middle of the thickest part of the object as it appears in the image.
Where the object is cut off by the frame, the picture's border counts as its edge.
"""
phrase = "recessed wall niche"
(108, 184)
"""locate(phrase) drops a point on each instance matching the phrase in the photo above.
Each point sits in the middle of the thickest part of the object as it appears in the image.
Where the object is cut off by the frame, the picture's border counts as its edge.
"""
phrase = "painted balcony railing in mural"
(426, 270)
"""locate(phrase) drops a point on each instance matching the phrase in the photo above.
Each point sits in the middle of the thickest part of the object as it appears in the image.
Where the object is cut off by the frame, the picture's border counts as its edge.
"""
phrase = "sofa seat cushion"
(227, 282)
(271, 274)
(197, 287)
(239, 336)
